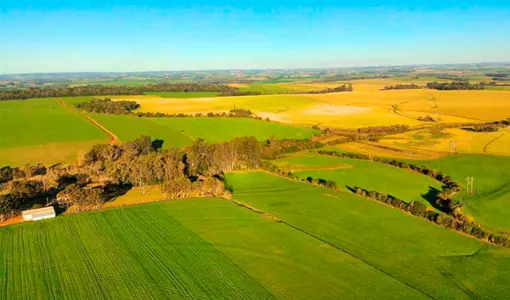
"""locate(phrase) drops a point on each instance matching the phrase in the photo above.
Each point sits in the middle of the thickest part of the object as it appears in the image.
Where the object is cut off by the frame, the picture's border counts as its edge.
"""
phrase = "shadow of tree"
(431, 196)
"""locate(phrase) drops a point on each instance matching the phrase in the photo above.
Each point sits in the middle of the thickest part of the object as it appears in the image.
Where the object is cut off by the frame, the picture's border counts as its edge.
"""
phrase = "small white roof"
(39, 211)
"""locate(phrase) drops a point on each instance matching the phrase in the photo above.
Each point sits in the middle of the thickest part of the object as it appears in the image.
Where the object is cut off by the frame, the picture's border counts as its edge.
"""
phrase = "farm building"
(38, 214)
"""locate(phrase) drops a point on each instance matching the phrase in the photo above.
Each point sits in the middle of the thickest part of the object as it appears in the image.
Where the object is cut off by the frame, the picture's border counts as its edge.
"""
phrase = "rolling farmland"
(489, 203)
(415, 252)
(187, 249)
(41, 130)
(351, 174)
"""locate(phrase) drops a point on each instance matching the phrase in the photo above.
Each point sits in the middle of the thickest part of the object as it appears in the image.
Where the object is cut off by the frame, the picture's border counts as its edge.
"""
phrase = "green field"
(489, 205)
(183, 94)
(41, 130)
(351, 173)
(128, 128)
(223, 129)
(419, 254)
(190, 249)
(179, 132)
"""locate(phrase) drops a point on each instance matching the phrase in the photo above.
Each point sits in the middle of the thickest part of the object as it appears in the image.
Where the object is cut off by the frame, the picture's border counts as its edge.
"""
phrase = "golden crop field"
(366, 106)
(389, 151)
(458, 140)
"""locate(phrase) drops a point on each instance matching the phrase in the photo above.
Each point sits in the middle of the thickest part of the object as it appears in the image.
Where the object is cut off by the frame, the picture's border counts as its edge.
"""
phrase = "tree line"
(455, 85)
(402, 87)
(105, 90)
(416, 208)
(444, 198)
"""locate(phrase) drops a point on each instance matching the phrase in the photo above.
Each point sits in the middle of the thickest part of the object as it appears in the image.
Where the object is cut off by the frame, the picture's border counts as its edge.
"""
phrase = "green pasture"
(489, 204)
(183, 94)
(128, 128)
(224, 129)
(278, 88)
(42, 130)
(189, 249)
(417, 253)
(406, 185)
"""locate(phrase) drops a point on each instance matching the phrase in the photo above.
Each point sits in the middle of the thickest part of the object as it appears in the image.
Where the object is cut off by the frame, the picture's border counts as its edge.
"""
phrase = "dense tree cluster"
(107, 106)
(497, 75)
(427, 118)
(105, 90)
(455, 85)
(338, 89)
(402, 87)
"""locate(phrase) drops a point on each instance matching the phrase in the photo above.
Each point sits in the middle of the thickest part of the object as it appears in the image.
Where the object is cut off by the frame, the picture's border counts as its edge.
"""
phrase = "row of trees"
(338, 89)
(402, 87)
(104, 90)
(416, 208)
(455, 85)
(444, 198)
(419, 209)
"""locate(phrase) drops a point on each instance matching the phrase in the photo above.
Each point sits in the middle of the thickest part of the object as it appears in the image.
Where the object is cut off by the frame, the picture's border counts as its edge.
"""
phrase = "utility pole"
(470, 188)
(453, 146)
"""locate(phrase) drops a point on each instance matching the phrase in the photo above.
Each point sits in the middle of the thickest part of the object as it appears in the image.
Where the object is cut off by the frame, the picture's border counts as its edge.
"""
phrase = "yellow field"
(495, 143)
(135, 196)
(383, 150)
(366, 106)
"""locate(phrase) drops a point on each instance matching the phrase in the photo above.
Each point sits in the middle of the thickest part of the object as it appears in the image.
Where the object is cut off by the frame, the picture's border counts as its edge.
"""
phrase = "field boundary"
(113, 138)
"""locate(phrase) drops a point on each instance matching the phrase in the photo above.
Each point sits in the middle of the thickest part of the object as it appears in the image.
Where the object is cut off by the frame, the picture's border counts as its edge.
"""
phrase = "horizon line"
(265, 69)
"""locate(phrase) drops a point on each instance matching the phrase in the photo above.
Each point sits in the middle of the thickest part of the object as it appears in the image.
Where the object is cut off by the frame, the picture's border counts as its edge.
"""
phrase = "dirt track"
(113, 138)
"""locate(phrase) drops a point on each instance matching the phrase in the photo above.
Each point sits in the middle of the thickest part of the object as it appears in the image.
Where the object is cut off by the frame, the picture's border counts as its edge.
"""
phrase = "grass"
(128, 128)
(223, 129)
(32, 130)
(489, 204)
(179, 250)
(407, 248)
(183, 94)
(406, 185)
(180, 132)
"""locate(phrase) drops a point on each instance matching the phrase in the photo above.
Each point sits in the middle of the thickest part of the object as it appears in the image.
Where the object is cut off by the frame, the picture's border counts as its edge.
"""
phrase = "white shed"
(38, 214)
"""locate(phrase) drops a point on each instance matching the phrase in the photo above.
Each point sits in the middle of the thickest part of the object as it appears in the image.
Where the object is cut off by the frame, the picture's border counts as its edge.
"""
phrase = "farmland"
(271, 236)
(187, 249)
(489, 203)
(496, 143)
(41, 130)
(417, 253)
(361, 108)
(351, 174)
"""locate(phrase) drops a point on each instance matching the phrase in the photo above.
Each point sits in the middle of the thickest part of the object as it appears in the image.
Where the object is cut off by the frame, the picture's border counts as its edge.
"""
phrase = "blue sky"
(51, 36)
